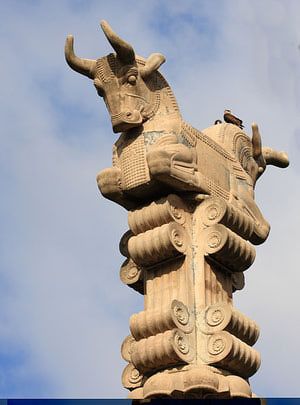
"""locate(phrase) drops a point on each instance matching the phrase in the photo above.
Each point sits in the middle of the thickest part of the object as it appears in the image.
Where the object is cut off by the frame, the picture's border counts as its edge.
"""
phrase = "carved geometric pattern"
(133, 163)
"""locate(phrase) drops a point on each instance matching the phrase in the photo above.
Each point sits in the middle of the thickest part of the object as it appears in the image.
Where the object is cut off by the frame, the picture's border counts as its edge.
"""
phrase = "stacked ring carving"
(228, 248)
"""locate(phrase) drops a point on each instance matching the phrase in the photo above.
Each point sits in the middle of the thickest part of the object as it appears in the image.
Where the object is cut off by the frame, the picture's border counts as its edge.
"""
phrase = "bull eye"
(131, 79)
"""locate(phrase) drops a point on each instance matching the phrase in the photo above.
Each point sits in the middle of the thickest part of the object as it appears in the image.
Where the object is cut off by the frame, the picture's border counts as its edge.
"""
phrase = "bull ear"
(124, 50)
(153, 62)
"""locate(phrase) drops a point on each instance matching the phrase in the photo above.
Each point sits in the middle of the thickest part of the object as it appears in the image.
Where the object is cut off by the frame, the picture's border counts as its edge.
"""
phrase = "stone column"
(187, 258)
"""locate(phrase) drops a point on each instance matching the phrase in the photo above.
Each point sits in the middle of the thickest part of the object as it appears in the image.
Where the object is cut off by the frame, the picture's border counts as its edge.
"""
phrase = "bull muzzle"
(126, 120)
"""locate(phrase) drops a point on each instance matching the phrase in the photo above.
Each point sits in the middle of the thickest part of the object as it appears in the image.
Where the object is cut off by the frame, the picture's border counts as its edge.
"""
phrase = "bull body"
(157, 152)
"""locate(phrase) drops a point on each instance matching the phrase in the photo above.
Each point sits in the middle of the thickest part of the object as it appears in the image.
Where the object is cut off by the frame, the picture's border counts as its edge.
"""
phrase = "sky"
(63, 310)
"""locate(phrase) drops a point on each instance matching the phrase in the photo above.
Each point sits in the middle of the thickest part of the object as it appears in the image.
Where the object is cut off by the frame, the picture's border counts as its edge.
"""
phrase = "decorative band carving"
(123, 244)
(131, 377)
(126, 348)
(226, 351)
(217, 211)
(162, 350)
(220, 317)
(158, 244)
(132, 275)
(228, 248)
(148, 323)
(160, 212)
(135, 170)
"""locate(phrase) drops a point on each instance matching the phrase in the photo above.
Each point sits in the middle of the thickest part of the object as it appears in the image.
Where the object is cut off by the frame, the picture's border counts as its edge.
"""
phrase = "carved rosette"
(228, 335)
(147, 323)
(131, 377)
(158, 244)
(218, 317)
(226, 232)
(126, 348)
(227, 248)
(162, 350)
(132, 275)
(226, 351)
(217, 211)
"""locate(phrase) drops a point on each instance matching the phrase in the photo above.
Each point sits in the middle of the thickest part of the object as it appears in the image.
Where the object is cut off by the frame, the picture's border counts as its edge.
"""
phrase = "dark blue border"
(235, 401)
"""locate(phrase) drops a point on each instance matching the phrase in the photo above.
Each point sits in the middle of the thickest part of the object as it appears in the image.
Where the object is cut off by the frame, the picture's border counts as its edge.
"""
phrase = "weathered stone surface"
(193, 222)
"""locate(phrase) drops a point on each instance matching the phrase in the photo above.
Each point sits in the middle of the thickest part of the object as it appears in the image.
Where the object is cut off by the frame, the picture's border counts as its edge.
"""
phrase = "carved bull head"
(122, 79)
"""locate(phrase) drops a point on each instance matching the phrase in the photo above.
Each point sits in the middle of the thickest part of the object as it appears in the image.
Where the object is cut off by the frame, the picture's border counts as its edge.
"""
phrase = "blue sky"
(63, 310)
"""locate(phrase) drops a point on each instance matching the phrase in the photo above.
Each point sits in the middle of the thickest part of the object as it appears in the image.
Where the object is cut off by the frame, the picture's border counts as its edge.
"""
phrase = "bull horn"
(124, 50)
(256, 141)
(86, 67)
